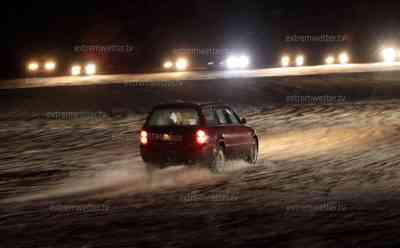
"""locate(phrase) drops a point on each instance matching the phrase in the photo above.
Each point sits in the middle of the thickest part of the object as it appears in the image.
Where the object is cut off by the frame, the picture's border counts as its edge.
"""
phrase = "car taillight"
(144, 137)
(201, 137)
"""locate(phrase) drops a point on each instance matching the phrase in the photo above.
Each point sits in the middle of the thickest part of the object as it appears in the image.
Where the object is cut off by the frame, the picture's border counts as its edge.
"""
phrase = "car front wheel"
(252, 155)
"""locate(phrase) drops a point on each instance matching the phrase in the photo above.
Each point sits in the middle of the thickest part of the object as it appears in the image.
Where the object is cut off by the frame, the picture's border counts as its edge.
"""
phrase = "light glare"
(33, 66)
(285, 61)
(389, 55)
(90, 69)
(330, 60)
(76, 70)
(168, 65)
(50, 66)
(233, 62)
(181, 64)
(344, 58)
(237, 62)
(300, 60)
(244, 61)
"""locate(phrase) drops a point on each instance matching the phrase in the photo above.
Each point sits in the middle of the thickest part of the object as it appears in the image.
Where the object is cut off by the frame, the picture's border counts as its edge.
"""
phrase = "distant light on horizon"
(344, 58)
(50, 66)
(181, 64)
(237, 62)
(76, 70)
(300, 60)
(90, 69)
(285, 61)
(330, 60)
(389, 55)
(33, 66)
(168, 64)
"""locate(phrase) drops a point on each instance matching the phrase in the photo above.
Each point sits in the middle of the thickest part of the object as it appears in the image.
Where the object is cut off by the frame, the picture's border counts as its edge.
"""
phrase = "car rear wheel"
(218, 162)
(252, 156)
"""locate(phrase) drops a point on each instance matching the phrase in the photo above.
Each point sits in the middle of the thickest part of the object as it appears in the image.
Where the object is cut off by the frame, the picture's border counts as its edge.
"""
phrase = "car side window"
(210, 116)
(221, 116)
(230, 116)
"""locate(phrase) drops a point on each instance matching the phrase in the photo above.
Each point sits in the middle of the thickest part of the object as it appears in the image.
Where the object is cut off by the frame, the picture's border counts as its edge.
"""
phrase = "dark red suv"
(196, 133)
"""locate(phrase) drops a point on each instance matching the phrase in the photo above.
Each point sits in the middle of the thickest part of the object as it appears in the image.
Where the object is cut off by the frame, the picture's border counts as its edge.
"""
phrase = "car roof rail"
(180, 101)
(173, 101)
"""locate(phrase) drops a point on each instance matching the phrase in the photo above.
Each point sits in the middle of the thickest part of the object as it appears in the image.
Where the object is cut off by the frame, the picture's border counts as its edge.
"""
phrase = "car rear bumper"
(189, 155)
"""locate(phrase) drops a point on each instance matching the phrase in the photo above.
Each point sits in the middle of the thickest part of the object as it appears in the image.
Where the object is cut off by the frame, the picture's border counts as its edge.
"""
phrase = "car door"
(230, 131)
(226, 132)
(241, 135)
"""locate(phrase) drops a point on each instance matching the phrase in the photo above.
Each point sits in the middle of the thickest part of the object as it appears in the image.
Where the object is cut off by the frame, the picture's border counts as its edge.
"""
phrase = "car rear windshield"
(174, 117)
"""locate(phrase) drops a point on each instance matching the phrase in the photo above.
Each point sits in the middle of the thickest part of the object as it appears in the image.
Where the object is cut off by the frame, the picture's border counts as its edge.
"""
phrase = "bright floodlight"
(329, 60)
(50, 66)
(168, 65)
(300, 60)
(181, 64)
(389, 55)
(237, 62)
(344, 58)
(233, 62)
(285, 61)
(90, 69)
(33, 66)
(76, 70)
(244, 61)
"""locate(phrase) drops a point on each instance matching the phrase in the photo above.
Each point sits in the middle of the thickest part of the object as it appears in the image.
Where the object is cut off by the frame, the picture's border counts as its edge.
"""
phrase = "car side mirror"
(243, 121)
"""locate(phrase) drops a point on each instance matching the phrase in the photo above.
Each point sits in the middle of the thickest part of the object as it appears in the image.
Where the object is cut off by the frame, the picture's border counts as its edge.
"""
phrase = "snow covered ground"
(328, 176)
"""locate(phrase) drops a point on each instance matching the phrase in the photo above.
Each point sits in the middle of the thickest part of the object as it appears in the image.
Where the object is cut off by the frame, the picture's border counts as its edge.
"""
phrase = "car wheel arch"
(257, 141)
(221, 143)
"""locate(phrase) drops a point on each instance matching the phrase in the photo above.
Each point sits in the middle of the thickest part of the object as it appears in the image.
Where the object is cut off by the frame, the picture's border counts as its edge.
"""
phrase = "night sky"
(154, 28)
